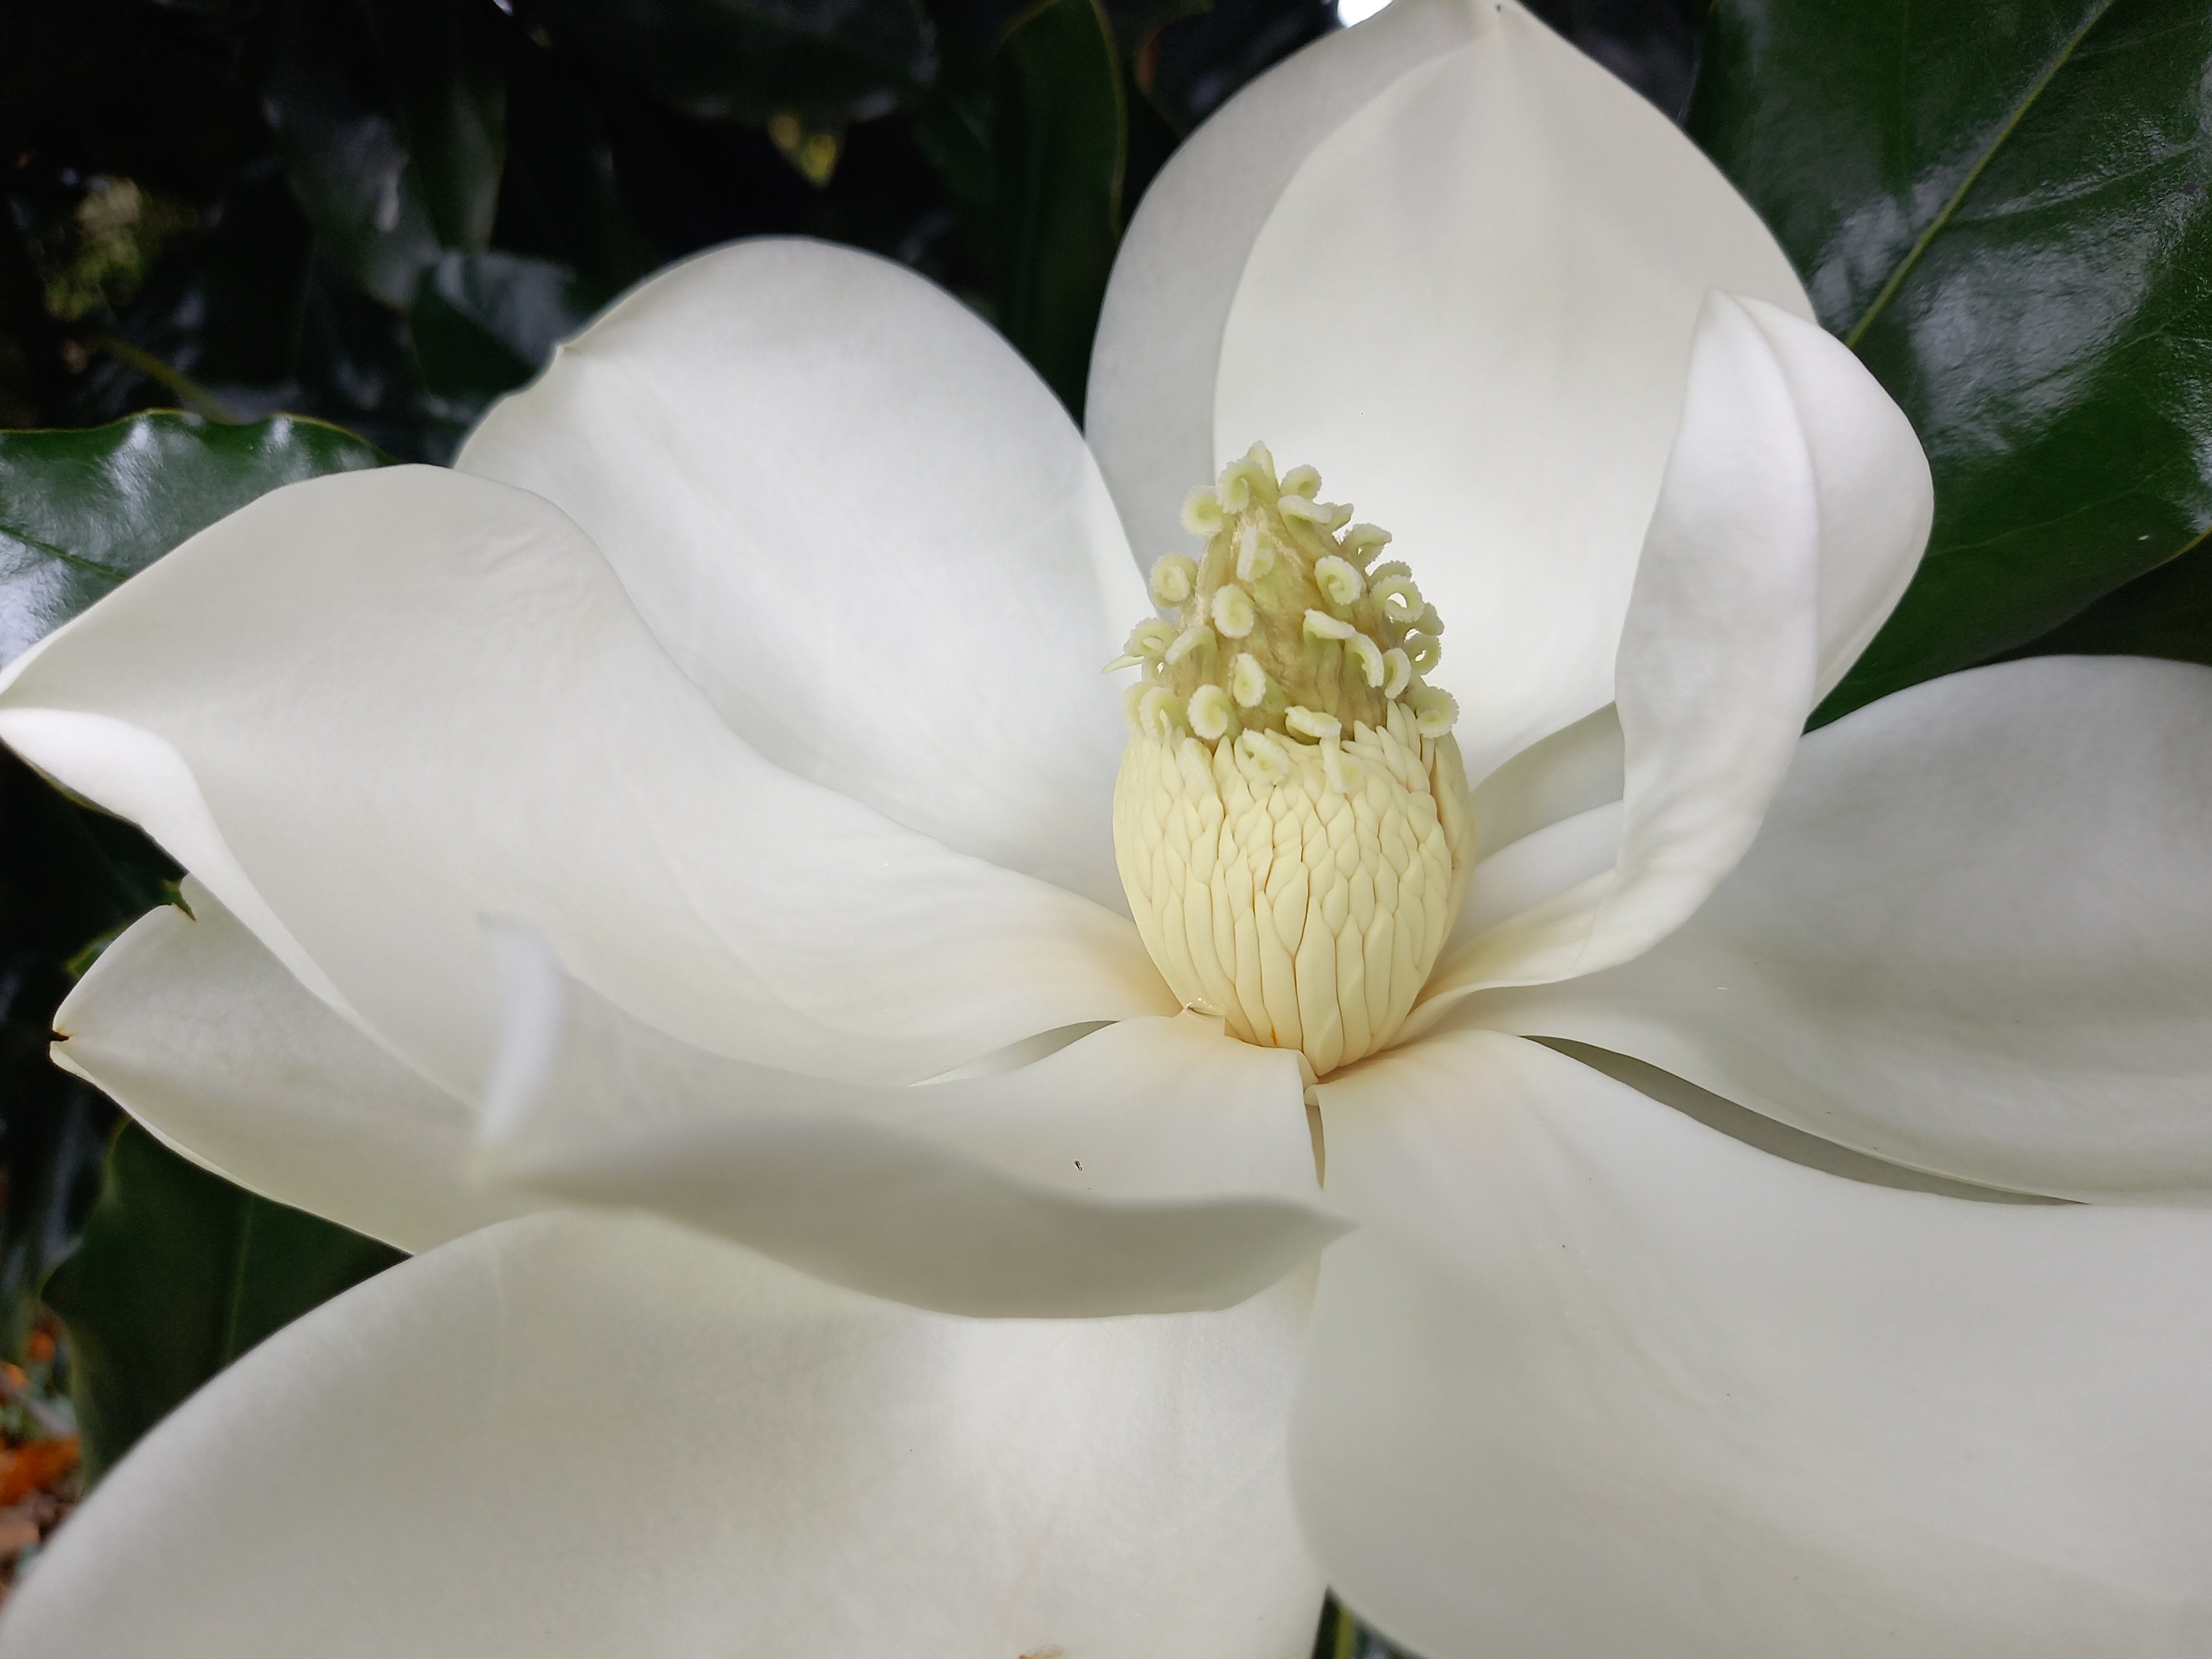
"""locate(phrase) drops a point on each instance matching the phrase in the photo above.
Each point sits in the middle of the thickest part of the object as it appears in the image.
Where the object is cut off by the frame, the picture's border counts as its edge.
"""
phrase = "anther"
(1399, 673)
(1174, 575)
(1425, 650)
(1320, 625)
(1233, 612)
(1369, 656)
(1307, 724)
(1339, 582)
(1247, 681)
(1399, 599)
(1189, 639)
(1210, 712)
(1201, 512)
(1435, 712)
(1301, 481)
(1255, 557)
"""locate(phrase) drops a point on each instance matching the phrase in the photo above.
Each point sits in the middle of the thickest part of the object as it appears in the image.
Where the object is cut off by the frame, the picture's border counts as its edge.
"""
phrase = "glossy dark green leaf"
(391, 116)
(2005, 206)
(747, 60)
(1060, 136)
(80, 511)
(178, 1273)
(484, 323)
(2168, 613)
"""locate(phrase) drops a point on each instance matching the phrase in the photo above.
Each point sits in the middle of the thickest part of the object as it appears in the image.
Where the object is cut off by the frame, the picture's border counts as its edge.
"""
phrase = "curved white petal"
(369, 709)
(1594, 1379)
(571, 1436)
(1773, 512)
(1155, 1166)
(1149, 413)
(204, 1037)
(1975, 937)
(859, 521)
(1472, 309)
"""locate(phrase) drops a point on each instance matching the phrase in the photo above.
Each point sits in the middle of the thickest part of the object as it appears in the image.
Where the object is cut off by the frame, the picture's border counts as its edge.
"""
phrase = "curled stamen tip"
(1174, 575)
(1306, 723)
(1247, 681)
(1369, 655)
(1201, 512)
(1321, 626)
(1301, 481)
(1188, 641)
(1435, 712)
(1210, 712)
(1298, 506)
(1339, 580)
(1234, 613)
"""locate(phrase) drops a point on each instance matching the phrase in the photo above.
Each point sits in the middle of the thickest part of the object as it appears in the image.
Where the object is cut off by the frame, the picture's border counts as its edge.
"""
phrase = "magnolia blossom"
(1571, 1186)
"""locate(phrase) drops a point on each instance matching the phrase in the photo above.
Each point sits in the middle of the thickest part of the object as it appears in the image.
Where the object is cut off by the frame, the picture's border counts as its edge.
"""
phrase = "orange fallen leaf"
(34, 1466)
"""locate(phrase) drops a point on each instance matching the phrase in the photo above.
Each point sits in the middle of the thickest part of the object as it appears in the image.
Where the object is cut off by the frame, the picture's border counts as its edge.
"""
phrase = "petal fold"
(1155, 1166)
(856, 518)
(1157, 352)
(1473, 309)
(1593, 1379)
(369, 710)
(576, 1436)
(1974, 938)
(198, 1032)
(1780, 497)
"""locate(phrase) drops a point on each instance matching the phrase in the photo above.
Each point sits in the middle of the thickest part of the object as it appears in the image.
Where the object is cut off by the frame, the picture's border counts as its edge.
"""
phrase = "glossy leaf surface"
(80, 511)
(2006, 208)
(179, 1273)
(1061, 136)
(484, 323)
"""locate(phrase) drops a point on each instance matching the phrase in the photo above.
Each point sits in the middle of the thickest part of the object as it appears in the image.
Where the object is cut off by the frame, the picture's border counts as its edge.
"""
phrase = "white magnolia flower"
(632, 816)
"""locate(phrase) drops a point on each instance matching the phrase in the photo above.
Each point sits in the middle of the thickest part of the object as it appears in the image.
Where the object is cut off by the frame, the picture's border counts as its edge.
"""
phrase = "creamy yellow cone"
(1290, 819)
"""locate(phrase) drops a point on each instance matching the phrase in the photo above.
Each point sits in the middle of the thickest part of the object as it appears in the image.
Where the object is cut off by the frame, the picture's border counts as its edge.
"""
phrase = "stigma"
(1290, 819)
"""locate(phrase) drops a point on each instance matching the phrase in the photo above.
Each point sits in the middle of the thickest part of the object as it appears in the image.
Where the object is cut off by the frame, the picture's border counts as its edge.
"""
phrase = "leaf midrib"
(2013, 118)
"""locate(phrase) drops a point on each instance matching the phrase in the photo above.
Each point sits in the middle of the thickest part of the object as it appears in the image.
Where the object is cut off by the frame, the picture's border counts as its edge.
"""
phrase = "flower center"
(1292, 818)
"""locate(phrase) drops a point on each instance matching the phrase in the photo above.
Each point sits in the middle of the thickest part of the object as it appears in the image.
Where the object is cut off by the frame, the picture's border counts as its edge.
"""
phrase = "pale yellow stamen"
(1291, 820)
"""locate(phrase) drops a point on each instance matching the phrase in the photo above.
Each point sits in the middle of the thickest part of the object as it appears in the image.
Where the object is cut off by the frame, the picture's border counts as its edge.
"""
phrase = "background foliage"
(331, 231)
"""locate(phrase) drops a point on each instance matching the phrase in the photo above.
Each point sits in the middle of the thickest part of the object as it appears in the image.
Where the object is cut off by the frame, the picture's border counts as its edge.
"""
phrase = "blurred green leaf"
(2003, 208)
(484, 323)
(390, 118)
(81, 510)
(746, 60)
(178, 1273)
(1061, 136)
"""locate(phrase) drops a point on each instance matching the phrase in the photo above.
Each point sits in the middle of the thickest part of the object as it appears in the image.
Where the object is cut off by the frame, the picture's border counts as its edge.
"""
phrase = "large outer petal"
(368, 709)
(576, 1437)
(1795, 505)
(1472, 308)
(864, 526)
(1155, 1166)
(1975, 937)
(1157, 353)
(211, 1043)
(1594, 1379)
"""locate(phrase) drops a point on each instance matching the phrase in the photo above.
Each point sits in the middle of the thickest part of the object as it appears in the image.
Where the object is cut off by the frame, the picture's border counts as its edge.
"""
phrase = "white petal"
(368, 709)
(1974, 937)
(567, 1436)
(1150, 409)
(1472, 310)
(1766, 507)
(1594, 1379)
(856, 518)
(1155, 1166)
(203, 1036)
